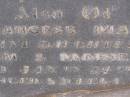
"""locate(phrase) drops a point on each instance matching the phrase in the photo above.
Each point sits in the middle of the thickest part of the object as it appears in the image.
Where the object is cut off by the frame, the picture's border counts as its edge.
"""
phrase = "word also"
(121, 30)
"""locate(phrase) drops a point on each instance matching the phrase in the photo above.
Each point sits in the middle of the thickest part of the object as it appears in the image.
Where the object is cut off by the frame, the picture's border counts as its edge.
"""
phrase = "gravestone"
(64, 48)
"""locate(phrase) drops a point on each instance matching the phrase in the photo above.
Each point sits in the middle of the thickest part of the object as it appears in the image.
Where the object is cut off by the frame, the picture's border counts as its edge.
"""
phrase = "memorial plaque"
(64, 48)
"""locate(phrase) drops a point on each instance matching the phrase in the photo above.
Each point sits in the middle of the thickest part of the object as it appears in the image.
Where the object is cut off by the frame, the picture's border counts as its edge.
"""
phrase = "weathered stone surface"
(57, 46)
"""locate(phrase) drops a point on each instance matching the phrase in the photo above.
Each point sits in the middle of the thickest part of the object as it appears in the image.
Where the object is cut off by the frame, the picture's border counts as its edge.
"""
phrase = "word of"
(90, 13)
